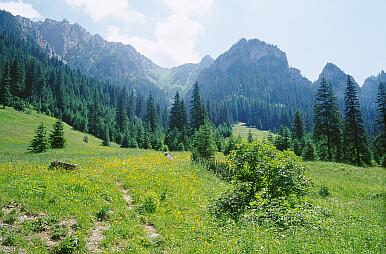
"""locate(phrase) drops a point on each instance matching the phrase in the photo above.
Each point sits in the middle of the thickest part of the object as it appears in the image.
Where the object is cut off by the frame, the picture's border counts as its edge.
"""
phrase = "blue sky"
(349, 33)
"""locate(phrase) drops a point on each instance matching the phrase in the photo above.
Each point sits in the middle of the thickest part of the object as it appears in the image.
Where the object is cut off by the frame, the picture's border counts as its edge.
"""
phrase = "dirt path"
(96, 236)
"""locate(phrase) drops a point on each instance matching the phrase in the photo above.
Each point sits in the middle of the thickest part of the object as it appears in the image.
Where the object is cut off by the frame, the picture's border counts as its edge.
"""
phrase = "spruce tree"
(5, 86)
(283, 140)
(297, 132)
(298, 126)
(106, 137)
(380, 122)
(121, 111)
(17, 76)
(197, 110)
(355, 137)
(39, 143)
(204, 144)
(327, 121)
(176, 137)
(57, 135)
(309, 151)
(151, 118)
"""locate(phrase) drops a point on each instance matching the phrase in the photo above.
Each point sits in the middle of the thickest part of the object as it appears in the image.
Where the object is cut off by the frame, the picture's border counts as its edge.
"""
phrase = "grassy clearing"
(180, 192)
(240, 129)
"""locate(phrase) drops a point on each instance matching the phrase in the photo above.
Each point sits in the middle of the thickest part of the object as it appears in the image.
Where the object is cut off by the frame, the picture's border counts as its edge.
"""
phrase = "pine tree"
(327, 121)
(297, 132)
(57, 135)
(197, 109)
(121, 111)
(250, 136)
(176, 137)
(204, 144)
(5, 86)
(131, 106)
(309, 151)
(39, 143)
(106, 137)
(151, 118)
(17, 76)
(125, 140)
(355, 137)
(59, 92)
(298, 126)
(283, 140)
(380, 123)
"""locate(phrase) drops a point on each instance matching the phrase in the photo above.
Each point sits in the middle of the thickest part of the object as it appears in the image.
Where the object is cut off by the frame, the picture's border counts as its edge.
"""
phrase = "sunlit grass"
(182, 193)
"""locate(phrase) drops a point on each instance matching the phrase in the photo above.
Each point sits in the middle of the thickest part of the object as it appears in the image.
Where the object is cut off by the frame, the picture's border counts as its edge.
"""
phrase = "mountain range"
(251, 82)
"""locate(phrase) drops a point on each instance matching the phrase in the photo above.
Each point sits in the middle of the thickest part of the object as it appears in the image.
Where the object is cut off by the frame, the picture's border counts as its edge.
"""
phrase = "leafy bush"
(148, 206)
(324, 191)
(9, 238)
(264, 179)
(104, 214)
(204, 144)
(70, 244)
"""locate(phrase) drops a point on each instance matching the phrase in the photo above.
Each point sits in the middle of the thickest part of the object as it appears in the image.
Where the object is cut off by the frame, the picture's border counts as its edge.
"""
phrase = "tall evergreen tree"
(39, 143)
(298, 126)
(17, 76)
(106, 137)
(131, 106)
(197, 110)
(5, 86)
(380, 121)
(176, 137)
(59, 92)
(355, 137)
(327, 121)
(57, 135)
(151, 118)
(297, 133)
(121, 111)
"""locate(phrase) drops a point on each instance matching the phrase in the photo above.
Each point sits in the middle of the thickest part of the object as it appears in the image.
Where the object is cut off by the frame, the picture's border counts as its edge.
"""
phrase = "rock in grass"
(62, 165)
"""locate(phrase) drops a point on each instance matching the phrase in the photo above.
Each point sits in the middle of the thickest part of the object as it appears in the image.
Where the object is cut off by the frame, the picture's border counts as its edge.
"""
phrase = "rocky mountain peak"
(253, 52)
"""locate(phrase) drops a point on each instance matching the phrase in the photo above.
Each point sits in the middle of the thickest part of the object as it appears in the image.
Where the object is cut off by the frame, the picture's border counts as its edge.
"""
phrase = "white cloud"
(174, 38)
(100, 9)
(22, 9)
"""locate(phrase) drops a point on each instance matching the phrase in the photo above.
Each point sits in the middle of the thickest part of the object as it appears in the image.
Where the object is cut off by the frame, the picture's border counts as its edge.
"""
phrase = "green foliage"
(104, 214)
(204, 144)
(9, 238)
(5, 86)
(148, 206)
(262, 175)
(309, 152)
(324, 191)
(106, 137)
(355, 137)
(283, 140)
(197, 109)
(250, 136)
(57, 135)
(327, 123)
(39, 143)
(230, 144)
(70, 244)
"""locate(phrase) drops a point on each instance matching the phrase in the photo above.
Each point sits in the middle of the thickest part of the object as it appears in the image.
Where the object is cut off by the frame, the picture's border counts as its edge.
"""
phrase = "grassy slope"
(356, 205)
(242, 130)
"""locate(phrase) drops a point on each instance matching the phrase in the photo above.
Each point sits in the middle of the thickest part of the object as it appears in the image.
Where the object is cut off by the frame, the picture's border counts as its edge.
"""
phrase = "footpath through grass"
(170, 199)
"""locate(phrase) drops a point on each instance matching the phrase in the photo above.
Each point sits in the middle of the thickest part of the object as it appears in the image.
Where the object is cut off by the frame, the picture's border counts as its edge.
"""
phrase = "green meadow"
(137, 201)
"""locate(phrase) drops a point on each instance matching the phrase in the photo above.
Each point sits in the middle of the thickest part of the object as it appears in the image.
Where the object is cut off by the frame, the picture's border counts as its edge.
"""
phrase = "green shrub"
(265, 179)
(104, 214)
(324, 191)
(204, 144)
(9, 238)
(70, 244)
(58, 232)
(148, 206)
(10, 218)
